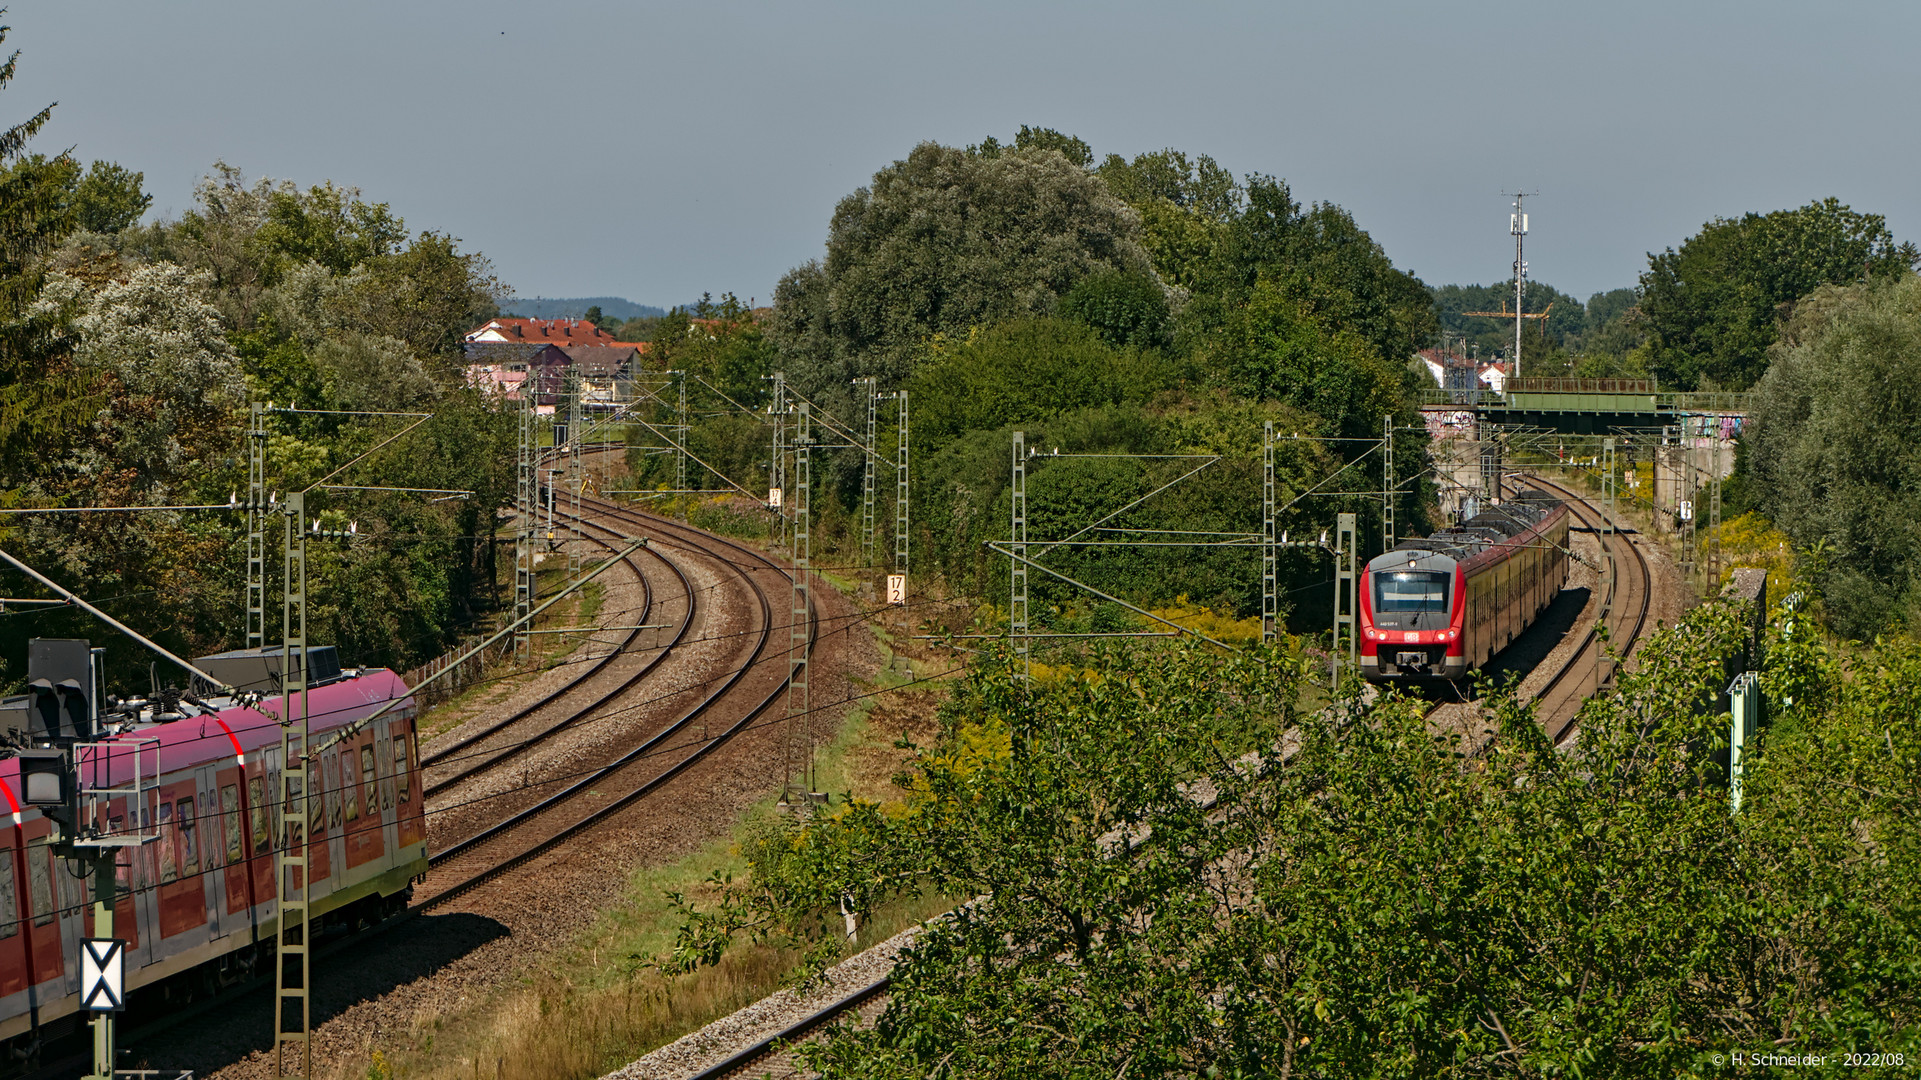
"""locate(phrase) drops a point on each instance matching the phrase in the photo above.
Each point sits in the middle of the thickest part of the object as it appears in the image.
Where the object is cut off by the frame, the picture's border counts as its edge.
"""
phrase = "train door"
(42, 910)
(134, 872)
(126, 921)
(234, 898)
(182, 854)
(226, 848)
(319, 854)
(330, 762)
(73, 891)
(1508, 599)
(263, 782)
(361, 778)
(1497, 608)
(389, 786)
(211, 839)
(408, 797)
(14, 921)
(353, 814)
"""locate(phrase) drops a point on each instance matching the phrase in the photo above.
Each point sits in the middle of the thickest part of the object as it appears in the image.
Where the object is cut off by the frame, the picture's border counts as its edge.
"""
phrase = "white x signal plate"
(103, 974)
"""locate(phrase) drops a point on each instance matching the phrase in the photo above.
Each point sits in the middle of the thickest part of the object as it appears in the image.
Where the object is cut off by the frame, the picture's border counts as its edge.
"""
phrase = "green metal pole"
(103, 893)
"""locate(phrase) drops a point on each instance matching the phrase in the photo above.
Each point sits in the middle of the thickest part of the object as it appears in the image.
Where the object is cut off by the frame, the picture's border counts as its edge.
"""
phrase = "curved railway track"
(739, 695)
(496, 846)
(478, 760)
(1558, 703)
(1558, 706)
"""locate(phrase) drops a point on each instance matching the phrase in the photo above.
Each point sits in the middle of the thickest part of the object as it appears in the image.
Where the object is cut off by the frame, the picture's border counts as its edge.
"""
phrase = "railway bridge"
(1591, 406)
(1670, 450)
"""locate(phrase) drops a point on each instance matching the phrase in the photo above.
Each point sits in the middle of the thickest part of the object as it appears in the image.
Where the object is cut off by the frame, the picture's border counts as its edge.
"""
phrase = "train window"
(296, 797)
(9, 901)
(230, 816)
(349, 790)
(40, 882)
(368, 778)
(1410, 591)
(169, 858)
(257, 806)
(401, 776)
(189, 851)
(331, 767)
(317, 806)
(270, 818)
(123, 866)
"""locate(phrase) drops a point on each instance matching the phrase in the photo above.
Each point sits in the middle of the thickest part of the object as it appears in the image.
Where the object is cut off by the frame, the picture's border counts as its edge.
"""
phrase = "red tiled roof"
(550, 332)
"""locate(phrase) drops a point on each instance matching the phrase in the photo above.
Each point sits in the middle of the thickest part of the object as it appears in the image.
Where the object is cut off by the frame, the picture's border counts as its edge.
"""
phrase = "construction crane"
(1517, 317)
(1506, 314)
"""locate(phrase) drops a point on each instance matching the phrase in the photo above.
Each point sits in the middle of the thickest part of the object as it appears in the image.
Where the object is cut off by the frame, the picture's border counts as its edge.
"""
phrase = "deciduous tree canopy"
(944, 240)
(1835, 450)
(1358, 900)
(1712, 304)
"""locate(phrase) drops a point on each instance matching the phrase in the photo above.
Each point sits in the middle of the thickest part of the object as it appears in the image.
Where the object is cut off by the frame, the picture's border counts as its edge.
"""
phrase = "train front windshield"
(1410, 592)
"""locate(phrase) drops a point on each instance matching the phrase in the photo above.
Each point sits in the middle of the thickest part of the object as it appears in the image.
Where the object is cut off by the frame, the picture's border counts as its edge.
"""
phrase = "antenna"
(1517, 227)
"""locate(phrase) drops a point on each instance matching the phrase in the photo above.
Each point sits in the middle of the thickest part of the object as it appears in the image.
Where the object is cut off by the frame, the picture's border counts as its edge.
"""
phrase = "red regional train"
(197, 906)
(1439, 607)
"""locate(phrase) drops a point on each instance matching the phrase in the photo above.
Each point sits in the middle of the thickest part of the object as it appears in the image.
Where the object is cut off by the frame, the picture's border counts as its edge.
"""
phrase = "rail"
(765, 651)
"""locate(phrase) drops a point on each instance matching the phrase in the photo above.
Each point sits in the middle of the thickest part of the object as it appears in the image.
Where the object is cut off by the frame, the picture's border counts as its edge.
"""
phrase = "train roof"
(227, 727)
(1492, 526)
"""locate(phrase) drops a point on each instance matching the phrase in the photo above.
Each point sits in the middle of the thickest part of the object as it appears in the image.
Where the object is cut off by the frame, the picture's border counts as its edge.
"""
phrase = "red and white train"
(1443, 606)
(197, 906)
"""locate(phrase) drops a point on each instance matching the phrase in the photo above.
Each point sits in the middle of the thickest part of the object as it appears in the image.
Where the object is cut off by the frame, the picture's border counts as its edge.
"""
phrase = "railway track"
(633, 774)
(730, 701)
(467, 757)
(1558, 706)
(1558, 703)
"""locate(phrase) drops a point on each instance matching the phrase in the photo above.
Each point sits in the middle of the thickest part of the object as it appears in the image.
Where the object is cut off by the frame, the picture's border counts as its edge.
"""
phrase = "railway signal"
(103, 963)
(62, 715)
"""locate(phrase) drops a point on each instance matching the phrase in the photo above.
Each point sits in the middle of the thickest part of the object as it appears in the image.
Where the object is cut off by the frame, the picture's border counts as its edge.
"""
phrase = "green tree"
(110, 198)
(1273, 348)
(1320, 259)
(42, 398)
(1023, 370)
(427, 294)
(105, 198)
(1184, 208)
(1070, 147)
(1834, 450)
(1127, 307)
(1356, 899)
(151, 338)
(939, 242)
(1564, 326)
(1713, 305)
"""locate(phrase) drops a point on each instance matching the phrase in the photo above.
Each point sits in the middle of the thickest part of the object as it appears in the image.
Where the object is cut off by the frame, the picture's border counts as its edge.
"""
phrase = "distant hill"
(612, 307)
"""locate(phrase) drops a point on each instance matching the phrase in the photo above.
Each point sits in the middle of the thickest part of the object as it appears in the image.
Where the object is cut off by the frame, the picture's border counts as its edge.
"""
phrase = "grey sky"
(658, 151)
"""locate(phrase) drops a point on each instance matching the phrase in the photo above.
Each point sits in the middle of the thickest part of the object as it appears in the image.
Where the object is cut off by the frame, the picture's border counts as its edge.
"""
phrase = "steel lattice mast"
(292, 934)
(528, 504)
